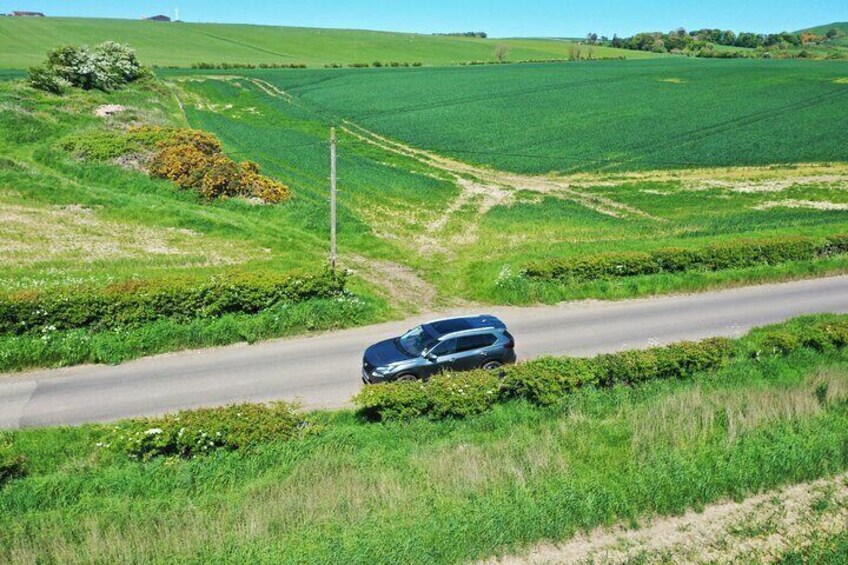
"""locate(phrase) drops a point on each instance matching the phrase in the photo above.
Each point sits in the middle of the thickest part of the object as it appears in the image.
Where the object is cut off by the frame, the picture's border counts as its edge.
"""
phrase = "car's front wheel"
(407, 378)
(492, 365)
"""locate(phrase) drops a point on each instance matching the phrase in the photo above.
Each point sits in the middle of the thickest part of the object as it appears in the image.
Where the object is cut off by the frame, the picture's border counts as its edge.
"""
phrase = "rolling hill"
(23, 42)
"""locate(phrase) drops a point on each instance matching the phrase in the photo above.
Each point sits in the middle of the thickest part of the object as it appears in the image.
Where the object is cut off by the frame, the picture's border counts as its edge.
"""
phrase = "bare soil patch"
(399, 283)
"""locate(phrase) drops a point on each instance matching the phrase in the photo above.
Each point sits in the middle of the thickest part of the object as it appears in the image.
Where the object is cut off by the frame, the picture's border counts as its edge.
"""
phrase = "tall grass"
(441, 492)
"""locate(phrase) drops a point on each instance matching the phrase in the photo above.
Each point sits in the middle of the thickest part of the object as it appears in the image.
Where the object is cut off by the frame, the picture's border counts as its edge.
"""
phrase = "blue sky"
(504, 18)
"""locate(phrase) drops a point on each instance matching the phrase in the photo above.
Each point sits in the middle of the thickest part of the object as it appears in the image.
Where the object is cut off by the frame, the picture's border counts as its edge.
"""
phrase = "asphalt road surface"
(324, 370)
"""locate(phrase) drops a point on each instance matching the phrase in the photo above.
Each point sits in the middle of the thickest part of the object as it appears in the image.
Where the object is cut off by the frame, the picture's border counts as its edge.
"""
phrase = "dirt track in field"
(759, 529)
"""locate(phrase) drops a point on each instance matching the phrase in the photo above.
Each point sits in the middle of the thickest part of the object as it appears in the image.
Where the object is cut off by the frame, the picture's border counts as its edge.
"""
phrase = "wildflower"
(153, 432)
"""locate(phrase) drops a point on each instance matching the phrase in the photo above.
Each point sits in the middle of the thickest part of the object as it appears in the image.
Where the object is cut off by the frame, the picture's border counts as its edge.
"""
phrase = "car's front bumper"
(373, 379)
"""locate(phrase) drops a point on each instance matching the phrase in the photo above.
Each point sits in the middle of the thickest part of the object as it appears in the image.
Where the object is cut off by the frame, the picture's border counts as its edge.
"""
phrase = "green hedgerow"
(196, 432)
(545, 381)
(135, 302)
(712, 257)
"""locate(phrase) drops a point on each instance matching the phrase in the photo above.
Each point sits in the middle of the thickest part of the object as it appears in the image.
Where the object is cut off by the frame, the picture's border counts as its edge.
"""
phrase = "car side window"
(472, 342)
(447, 347)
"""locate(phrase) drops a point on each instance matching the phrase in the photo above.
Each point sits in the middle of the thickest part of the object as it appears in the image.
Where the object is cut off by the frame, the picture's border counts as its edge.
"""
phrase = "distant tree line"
(682, 41)
(480, 34)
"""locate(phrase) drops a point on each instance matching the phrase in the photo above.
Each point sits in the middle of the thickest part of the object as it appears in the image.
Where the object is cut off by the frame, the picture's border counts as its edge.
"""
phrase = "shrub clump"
(547, 380)
(107, 67)
(194, 160)
(191, 159)
(713, 257)
(446, 396)
(135, 302)
(188, 434)
(817, 334)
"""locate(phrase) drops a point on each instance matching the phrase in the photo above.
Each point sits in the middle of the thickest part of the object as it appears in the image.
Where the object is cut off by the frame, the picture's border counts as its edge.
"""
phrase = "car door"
(443, 357)
(471, 351)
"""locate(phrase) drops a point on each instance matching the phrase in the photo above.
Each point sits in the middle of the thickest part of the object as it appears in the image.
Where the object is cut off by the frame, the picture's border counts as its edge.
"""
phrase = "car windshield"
(416, 341)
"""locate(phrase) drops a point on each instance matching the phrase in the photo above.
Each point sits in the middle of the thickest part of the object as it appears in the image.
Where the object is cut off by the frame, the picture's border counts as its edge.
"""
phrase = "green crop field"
(24, 41)
(615, 116)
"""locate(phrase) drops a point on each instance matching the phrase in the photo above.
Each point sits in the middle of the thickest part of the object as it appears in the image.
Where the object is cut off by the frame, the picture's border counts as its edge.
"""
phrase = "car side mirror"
(430, 356)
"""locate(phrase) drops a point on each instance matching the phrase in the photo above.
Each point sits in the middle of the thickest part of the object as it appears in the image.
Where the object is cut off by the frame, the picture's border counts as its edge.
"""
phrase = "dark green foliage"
(74, 347)
(196, 432)
(135, 302)
(820, 335)
(460, 396)
(545, 381)
(445, 396)
(396, 401)
(714, 257)
(674, 361)
(12, 465)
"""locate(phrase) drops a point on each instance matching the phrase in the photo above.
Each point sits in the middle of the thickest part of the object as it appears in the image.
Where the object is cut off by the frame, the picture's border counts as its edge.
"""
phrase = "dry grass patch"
(695, 413)
(31, 235)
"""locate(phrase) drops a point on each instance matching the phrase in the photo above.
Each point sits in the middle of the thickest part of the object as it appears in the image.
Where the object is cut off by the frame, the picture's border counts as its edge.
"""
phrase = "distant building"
(159, 18)
(28, 14)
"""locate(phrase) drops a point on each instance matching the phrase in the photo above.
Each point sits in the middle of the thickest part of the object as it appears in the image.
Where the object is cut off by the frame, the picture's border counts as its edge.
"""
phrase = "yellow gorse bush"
(194, 160)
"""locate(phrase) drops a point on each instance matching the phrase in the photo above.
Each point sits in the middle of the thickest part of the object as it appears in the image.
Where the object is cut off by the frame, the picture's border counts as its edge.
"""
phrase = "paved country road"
(324, 370)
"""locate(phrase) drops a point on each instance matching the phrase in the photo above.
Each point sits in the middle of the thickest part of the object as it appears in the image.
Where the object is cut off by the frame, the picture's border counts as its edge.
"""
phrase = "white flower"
(153, 432)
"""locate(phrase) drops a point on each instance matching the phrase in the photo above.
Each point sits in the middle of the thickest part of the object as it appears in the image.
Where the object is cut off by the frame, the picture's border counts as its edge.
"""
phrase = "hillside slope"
(23, 42)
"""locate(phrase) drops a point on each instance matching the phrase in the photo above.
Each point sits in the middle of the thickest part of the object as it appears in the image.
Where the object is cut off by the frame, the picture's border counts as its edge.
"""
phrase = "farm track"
(486, 188)
(759, 529)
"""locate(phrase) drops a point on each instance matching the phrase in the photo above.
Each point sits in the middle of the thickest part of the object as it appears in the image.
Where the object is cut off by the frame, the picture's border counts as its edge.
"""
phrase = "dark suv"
(453, 344)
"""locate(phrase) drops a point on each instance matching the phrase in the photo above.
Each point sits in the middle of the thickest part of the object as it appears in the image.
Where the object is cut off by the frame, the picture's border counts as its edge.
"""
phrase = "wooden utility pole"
(333, 255)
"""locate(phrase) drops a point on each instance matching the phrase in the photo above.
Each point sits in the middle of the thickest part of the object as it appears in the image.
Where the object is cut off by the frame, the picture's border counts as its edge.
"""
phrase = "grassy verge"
(75, 347)
(444, 491)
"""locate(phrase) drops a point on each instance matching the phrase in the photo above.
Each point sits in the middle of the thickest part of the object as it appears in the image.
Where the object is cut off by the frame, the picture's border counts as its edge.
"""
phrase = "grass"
(612, 115)
(451, 491)
(24, 41)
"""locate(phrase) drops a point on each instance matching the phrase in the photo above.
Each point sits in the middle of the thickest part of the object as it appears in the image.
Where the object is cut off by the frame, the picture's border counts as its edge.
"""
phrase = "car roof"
(464, 324)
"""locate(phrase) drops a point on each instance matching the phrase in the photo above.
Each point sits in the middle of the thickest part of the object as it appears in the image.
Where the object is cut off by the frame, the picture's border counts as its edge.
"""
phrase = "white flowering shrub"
(107, 67)
(188, 434)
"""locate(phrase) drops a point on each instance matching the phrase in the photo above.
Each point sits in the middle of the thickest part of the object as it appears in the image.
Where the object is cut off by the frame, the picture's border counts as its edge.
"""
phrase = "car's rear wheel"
(492, 365)
(407, 378)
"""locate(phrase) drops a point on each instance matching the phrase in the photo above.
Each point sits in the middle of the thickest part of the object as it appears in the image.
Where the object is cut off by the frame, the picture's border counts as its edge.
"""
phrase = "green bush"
(821, 335)
(42, 77)
(107, 67)
(393, 401)
(713, 257)
(545, 381)
(678, 360)
(197, 432)
(135, 302)
(461, 395)
(445, 396)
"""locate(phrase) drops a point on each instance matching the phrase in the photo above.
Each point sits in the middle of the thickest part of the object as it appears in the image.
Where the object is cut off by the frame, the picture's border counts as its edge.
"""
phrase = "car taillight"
(510, 344)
